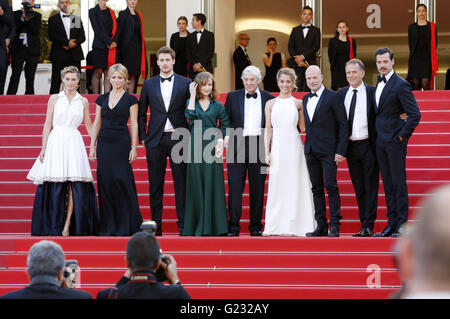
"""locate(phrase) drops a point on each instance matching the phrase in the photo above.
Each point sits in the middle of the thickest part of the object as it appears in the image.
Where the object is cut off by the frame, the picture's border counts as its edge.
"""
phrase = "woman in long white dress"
(65, 201)
(290, 206)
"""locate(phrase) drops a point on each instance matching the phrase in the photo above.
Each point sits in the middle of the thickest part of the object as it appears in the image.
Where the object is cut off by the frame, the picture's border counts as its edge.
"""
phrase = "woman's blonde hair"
(69, 69)
(289, 72)
(202, 79)
(123, 71)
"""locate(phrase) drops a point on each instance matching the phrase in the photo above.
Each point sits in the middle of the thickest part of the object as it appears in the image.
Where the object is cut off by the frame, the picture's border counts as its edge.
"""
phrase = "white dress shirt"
(380, 87)
(360, 130)
(252, 114)
(199, 35)
(166, 92)
(312, 103)
(305, 30)
(66, 22)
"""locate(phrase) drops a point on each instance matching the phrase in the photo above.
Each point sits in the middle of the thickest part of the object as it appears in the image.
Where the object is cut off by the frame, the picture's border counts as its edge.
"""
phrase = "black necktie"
(254, 95)
(314, 94)
(381, 78)
(351, 114)
(168, 79)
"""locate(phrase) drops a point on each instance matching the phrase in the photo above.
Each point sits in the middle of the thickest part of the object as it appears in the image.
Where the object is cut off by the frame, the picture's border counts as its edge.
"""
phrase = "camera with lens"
(150, 228)
(28, 9)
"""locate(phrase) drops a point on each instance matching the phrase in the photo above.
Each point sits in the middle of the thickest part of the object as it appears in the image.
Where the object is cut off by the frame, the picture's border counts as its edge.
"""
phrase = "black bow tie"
(314, 94)
(306, 27)
(198, 32)
(66, 15)
(254, 95)
(168, 79)
(381, 78)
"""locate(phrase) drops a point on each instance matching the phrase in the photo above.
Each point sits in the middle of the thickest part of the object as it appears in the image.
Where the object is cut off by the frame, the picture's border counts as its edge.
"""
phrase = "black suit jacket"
(57, 34)
(125, 28)
(327, 133)
(149, 289)
(235, 104)
(7, 31)
(102, 36)
(308, 46)
(396, 98)
(47, 291)
(332, 43)
(32, 28)
(370, 93)
(151, 97)
(202, 52)
(240, 63)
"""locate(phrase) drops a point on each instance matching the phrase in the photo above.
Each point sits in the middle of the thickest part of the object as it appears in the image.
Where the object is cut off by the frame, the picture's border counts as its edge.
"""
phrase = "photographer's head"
(143, 252)
(45, 258)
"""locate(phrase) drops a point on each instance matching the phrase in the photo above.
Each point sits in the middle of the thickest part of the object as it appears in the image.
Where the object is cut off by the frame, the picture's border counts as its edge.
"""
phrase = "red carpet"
(214, 267)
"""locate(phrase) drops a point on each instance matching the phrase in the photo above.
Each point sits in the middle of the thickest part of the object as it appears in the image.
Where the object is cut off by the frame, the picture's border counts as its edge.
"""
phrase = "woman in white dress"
(65, 201)
(290, 206)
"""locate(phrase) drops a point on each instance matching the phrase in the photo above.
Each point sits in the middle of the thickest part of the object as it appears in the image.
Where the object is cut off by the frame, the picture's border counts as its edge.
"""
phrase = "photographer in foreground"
(140, 281)
(46, 266)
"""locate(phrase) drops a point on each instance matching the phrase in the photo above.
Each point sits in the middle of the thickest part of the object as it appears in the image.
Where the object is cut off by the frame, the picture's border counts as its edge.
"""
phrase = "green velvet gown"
(206, 212)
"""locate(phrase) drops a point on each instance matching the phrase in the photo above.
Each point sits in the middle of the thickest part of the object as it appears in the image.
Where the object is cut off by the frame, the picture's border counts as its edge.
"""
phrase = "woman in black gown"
(420, 50)
(273, 61)
(103, 22)
(178, 42)
(341, 49)
(118, 202)
(131, 44)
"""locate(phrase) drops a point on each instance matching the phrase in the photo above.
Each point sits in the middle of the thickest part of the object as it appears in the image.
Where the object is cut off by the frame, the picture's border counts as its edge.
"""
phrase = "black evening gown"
(270, 79)
(131, 58)
(338, 76)
(117, 196)
(179, 45)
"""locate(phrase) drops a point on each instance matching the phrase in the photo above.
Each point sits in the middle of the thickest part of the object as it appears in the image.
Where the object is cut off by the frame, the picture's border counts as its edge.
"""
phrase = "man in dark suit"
(325, 147)
(67, 34)
(166, 95)
(393, 96)
(7, 32)
(25, 48)
(245, 108)
(361, 156)
(304, 42)
(140, 282)
(200, 47)
(46, 267)
(241, 59)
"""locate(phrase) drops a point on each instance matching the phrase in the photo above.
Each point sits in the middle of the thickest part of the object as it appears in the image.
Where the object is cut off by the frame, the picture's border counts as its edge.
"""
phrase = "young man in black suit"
(361, 156)
(25, 48)
(7, 32)
(241, 59)
(245, 108)
(325, 147)
(66, 32)
(304, 43)
(166, 95)
(393, 96)
(140, 282)
(200, 47)
(46, 267)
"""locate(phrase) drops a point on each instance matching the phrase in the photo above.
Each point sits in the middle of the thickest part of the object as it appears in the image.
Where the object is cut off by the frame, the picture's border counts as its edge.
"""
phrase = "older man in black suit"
(46, 267)
(200, 47)
(304, 42)
(7, 32)
(166, 95)
(325, 147)
(393, 96)
(66, 32)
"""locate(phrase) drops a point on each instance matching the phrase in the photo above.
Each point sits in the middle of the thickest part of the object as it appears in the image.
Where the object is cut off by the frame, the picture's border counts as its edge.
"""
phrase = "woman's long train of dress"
(290, 206)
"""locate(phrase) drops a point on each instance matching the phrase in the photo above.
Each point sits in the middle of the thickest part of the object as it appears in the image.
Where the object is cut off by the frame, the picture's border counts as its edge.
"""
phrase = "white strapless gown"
(65, 156)
(290, 206)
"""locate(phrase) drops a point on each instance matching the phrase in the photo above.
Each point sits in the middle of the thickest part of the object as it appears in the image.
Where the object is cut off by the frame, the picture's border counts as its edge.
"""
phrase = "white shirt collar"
(64, 14)
(388, 76)
(359, 88)
(306, 25)
(320, 91)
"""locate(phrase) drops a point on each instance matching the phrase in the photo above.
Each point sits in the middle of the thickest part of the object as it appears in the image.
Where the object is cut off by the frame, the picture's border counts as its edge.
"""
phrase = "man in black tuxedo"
(46, 267)
(200, 47)
(304, 42)
(140, 281)
(66, 32)
(361, 156)
(25, 48)
(393, 96)
(7, 32)
(245, 108)
(325, 147)
(241, 59)
(166, 95)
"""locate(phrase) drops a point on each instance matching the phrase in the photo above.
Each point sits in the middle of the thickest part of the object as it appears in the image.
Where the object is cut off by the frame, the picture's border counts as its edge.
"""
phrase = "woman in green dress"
(206, 213)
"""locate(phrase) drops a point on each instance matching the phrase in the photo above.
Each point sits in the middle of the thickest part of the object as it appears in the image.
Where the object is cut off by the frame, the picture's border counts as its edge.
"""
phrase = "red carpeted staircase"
(212, 267)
